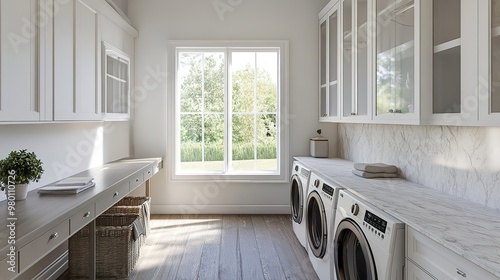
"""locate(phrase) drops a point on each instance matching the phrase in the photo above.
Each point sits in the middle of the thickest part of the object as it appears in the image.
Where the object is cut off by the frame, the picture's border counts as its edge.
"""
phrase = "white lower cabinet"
(426, 255)
(415, 273)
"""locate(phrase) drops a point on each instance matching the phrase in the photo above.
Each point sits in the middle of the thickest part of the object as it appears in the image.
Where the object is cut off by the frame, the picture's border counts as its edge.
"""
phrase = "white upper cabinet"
(415, 62)
(77, 49)
(489, 62)
(451, 78)
(117, 55)
(397, 61)
(50, 63)
(20, 96)
(116, 83)
(356, 57)
(329, 95)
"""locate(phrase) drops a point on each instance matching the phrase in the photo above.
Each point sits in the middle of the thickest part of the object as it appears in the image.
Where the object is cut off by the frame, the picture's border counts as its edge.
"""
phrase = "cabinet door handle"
(86, 215)
(115, 194)
(54, 236)
(461, 273)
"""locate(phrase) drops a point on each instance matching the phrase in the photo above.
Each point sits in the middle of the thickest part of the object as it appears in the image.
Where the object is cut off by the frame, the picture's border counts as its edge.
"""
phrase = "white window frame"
(281, 175)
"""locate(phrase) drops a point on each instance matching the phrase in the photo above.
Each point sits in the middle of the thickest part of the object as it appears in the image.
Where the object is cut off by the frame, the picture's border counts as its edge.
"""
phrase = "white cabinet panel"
(439, 261)
(451, 78)
(489, 62)
(329, 62)
(77, 91)
(356, 68)
(397, 61)
(19, 95)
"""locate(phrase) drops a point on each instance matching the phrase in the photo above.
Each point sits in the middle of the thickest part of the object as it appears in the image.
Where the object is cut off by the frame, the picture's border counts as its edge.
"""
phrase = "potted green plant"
(17, 170)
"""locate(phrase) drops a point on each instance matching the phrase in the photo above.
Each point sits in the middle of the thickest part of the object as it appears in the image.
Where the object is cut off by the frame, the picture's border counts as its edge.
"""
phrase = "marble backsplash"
(461, 161)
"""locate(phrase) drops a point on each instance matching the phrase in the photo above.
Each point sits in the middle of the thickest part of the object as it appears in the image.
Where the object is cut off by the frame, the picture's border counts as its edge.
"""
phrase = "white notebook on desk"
(75, 181)
(66, 189)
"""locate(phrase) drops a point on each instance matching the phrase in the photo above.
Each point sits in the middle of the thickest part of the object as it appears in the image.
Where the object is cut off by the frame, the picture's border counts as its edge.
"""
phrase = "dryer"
(298, 195)
(369, 243)
(320, 212)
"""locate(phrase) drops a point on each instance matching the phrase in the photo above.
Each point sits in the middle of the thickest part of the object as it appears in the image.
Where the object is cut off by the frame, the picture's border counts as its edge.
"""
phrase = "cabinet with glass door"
(489, 62)
(356, 57)
(453, 68)
(116, 85)
(397, 62)
(329, 93)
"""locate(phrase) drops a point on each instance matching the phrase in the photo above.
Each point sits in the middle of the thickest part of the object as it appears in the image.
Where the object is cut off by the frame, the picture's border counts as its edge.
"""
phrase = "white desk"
(43, 222)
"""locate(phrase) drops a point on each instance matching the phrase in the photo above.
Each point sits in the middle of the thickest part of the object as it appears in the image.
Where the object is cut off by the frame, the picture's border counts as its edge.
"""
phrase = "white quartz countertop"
(466, 228)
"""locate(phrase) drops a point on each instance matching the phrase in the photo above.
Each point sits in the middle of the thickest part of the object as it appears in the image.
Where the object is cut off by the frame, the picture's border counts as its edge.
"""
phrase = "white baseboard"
(220, 209)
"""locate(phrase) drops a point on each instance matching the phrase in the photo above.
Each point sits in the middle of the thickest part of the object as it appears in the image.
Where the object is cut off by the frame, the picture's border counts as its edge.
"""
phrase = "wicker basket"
(137, 205)
(116, 250)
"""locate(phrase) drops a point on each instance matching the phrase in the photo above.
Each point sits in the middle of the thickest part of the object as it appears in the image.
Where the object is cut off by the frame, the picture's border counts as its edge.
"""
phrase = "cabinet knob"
(353, 114)
(398, 111)
(136, 180)
(355, 209)
(115, 194)
(149, 172)
(461, 273)
(54, 236)
(86, 215)
(390, 111)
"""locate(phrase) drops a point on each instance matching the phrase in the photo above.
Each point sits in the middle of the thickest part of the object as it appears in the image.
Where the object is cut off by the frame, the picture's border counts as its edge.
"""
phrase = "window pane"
(267, 81)
(213, 82)
(244, 85)
(214, 142)
(190, 79)
(243, 140)
(266, 142)
(243, 81)
(191, 140)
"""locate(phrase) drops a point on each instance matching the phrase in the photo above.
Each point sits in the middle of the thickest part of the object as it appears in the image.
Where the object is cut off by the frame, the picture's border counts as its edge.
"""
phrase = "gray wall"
(67, 148)
(160, 21)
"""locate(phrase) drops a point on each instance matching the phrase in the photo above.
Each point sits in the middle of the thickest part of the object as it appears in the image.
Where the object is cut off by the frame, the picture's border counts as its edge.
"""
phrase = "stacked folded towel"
(375, 170)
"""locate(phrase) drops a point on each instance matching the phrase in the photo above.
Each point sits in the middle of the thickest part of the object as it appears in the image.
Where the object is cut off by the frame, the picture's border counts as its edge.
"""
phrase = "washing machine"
(298, 195)
(320, 216)
(369, 243)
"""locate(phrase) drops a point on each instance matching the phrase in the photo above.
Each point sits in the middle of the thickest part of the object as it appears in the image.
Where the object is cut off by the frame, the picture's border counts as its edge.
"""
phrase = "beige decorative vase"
(19, 192)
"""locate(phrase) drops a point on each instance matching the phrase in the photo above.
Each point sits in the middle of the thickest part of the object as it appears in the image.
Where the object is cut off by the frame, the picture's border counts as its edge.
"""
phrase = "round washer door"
(297, 199)
(353, 256)
(317, 234)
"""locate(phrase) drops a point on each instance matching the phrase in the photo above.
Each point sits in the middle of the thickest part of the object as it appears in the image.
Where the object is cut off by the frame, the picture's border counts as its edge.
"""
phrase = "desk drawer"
(80, 219)
(136, 180)
(110, 197)
(148, 173)
(41, 246)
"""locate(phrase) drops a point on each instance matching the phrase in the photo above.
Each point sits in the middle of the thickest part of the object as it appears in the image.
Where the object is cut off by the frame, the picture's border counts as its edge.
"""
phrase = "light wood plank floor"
(222, 247)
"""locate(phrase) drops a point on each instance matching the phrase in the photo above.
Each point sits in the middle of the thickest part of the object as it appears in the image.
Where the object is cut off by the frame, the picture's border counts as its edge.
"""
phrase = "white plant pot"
(20, 192)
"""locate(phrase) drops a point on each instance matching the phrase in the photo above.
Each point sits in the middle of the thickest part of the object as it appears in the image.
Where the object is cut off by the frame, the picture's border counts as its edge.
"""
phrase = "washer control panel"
(375, 221)
(327, 189)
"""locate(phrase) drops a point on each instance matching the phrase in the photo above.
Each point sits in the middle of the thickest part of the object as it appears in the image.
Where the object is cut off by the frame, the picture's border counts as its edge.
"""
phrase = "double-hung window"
(229, 104)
